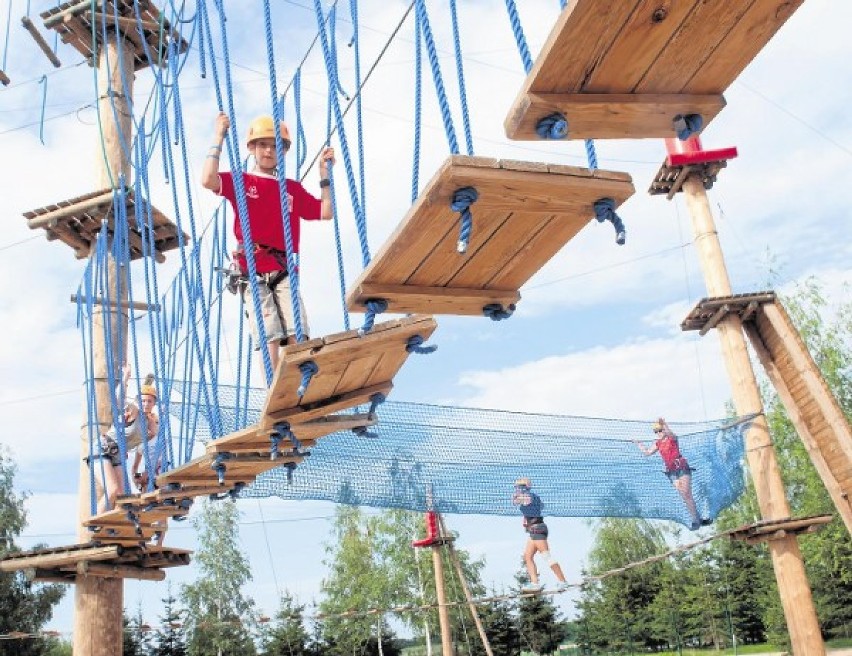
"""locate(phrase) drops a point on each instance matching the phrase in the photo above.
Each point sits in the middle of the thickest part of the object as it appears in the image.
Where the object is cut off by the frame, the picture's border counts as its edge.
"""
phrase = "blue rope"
(308, 370)
(418, 113)
(332, 27)
(460, 72)
(415, 345)
(43, 81)
(605, 211)
(375, 400)
(552, 126)
(6, 42)
(686, 125)
(423, 19)
(462, 200)
(339, 248)
(281, 172)
(359, 113)
(374, 306)
(496, 311)
(301, 141)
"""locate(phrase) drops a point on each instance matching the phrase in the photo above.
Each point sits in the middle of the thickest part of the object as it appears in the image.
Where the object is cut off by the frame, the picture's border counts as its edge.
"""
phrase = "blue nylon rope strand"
(339, 248)
(431, 50)
(418, 113)
(360, 219)
(292, 254)
(460, 73)
(462, 200)
(6, 42)
(605, 211)
(301, 141)
(359, 112)
(332, 25)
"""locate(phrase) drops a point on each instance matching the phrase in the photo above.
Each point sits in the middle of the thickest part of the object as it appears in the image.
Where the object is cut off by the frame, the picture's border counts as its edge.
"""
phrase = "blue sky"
(597, 332)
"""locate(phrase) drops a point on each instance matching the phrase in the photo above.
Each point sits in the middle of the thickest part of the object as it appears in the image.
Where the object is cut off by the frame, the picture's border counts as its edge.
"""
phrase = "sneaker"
(706, 522)
(532, 588)
(695, 525)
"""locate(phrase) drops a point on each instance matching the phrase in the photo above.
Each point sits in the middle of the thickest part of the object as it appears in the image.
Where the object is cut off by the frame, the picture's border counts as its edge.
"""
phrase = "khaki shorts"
(277, 308)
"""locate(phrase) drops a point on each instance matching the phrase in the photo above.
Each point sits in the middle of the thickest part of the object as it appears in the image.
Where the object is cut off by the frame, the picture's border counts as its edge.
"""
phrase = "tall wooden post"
(790, 574)
(99, 601)
(441, 595)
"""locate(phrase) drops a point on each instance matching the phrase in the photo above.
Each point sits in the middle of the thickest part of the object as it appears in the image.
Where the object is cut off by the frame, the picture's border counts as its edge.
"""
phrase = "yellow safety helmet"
(263, 127)
(148, 387)
(659, 426)
(523, 482)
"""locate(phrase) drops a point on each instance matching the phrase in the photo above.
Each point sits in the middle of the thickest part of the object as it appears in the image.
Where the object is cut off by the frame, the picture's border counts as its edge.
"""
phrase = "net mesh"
(466, 460)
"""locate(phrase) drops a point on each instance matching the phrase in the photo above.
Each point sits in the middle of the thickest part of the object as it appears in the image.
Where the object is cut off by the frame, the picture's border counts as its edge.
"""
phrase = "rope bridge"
(465, 461)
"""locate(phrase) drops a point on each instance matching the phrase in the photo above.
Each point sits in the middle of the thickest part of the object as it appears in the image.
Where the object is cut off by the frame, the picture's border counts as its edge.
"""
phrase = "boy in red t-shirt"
(263, 200)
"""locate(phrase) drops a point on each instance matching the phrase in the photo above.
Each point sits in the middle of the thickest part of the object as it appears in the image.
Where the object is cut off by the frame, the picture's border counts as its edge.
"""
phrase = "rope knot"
(685, 125)
(553, 126)
(605, 211)
(462, 200)
(496, 311)
(374, 306)
(415, 345)
(375, 400)
(308, 370)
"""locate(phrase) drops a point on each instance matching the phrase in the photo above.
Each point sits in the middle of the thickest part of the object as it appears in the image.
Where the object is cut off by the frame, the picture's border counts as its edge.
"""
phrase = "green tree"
(135, 639)
(218, 615)
(170, 639)
(286, 635)
(24, 607)
(500, 626)
(539, 626)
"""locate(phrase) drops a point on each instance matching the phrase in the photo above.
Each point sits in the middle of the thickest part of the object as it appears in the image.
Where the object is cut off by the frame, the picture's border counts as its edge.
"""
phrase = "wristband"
(325, 182)
(215, 147)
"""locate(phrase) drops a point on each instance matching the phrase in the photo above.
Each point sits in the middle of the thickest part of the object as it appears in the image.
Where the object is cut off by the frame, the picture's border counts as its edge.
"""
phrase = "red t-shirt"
(265, 216)
(669, 450)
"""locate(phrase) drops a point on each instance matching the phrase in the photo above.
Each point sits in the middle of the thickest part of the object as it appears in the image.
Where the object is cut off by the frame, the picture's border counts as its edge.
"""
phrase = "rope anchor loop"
(496, 311)
(462, 200)
(552, 126)
(308, 370)
(415, 345)
(374, 306)
(685, 125)
(375, 400)
(605, 211)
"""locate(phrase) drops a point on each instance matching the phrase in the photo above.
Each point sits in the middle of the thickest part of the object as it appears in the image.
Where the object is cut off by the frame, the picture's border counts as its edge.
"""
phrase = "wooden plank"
(645, 34)
(693, 44)
(329, 406)
(434, 300)
(610, 116)
(57, 557)
(742, 44)
(120, 572)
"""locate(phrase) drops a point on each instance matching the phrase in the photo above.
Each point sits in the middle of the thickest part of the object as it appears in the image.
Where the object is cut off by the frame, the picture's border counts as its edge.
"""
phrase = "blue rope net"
(468, 459)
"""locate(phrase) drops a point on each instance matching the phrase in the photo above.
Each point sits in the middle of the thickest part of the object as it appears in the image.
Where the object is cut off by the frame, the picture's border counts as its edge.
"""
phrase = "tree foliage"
(219, 616)
(24, 607)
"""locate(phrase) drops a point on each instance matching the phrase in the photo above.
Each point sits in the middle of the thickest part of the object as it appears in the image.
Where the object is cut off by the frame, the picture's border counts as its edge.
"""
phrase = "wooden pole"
(472, 606)
(790, 573)
(99, 601)
(441, 594)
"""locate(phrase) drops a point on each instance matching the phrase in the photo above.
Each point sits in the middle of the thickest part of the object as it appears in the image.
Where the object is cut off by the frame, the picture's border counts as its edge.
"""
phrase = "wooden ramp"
(65, 564)
(525, 213)
(620, 69)
(811, 406)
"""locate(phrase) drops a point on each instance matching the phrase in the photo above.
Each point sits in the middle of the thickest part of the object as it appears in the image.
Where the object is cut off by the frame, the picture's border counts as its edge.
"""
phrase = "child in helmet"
(530, 505)
(266, 221)
(678, 470)
(131, 420)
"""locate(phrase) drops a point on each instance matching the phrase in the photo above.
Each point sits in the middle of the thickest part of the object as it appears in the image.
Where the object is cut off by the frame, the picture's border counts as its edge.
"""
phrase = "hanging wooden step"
(258, 442)
(77, 222)
(618, 69)
(221, 472)
(77, 25)
(65, 564)
(816, 414)
(524, 214)
(352, 371)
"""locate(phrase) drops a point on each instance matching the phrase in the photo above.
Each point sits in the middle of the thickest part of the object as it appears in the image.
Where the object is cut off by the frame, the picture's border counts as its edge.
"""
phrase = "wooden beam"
(39, 39)
(4, 79)
(109, 571)
(51, 19)
(51, 219)
(53, 560)
(714, 320)
(432, 300)
(136, 305)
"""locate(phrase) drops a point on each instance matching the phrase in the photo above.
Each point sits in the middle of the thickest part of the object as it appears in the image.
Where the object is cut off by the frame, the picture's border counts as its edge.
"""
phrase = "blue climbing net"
(468, 460)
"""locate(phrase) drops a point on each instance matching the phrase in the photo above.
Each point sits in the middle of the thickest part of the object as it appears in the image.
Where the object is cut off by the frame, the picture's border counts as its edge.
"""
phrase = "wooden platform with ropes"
(77, 223)
(66, 564)
(524, 214)
(617, 69)
(775, 529)
(813, 409)
(78, 25)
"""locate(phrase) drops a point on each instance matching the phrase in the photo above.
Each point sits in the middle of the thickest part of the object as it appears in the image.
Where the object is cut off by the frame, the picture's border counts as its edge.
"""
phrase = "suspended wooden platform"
(811, 406)
(526, 212)
(674, 171)
(65, 564)
(352, 370)
(621, 69)
(221, 472)
(149, 34)
(776, 529)
(77, 222)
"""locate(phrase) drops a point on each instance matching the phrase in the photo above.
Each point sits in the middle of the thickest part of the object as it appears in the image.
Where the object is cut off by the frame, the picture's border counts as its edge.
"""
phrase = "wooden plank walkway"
(625, 68)
(525, 213)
